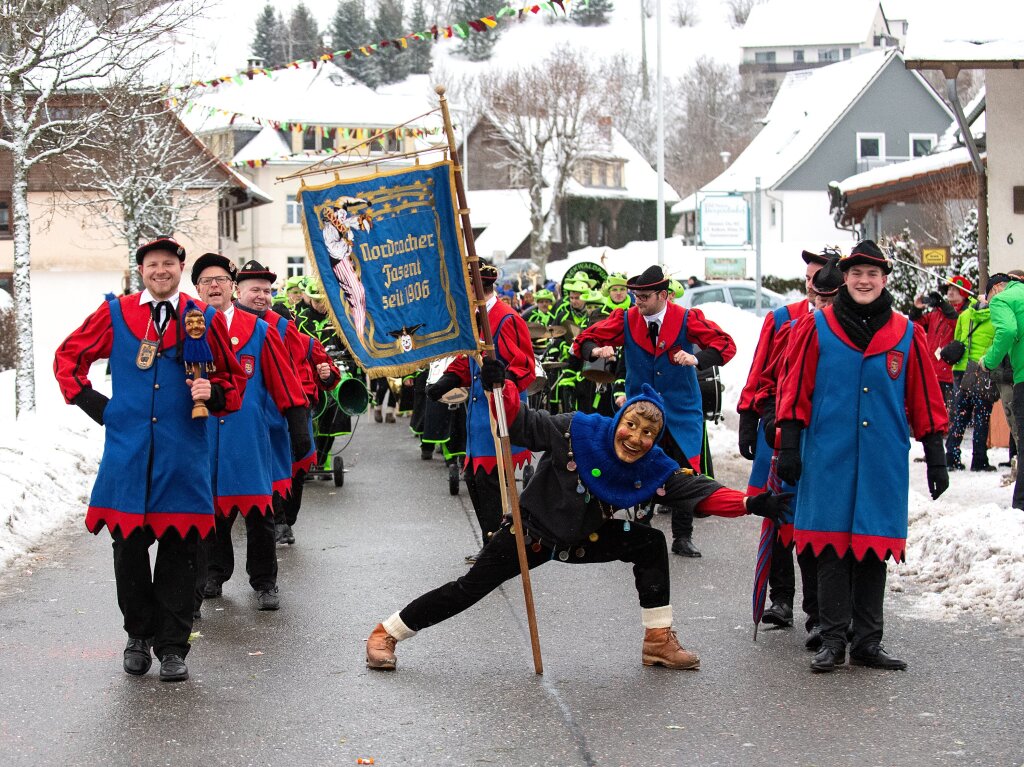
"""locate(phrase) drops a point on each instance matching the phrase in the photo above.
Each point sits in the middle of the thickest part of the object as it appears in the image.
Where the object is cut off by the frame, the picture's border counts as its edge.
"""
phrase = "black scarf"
(249, 310)
(862, 321)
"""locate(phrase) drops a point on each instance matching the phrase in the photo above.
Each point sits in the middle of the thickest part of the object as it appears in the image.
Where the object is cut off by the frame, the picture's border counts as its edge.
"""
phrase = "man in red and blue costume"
(513, 346)
(752, 440)
(658, 340)
(240, 450)
(154, 482)
(858, 382)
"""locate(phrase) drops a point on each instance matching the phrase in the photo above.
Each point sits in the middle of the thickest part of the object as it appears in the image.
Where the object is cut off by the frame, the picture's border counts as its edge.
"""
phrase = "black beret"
(160, 243)
(212, 259)
(820, 258)
(254, 270)
(868, 253)
(488, 272)
(652, 279)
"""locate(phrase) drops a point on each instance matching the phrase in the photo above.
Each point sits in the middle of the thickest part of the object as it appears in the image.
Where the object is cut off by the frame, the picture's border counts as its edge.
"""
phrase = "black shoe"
(213, 588)
(197, 613)
(813, 641)
(269, 599)
(827, 658)
(137, 658)
(286, 535)
(876, 657)
(1004, 464)
(427, 453)
(954, 466)
(684, 547)
(983, 467)
(173, 668)
(472, 558)
(779, 614)
(280, 533)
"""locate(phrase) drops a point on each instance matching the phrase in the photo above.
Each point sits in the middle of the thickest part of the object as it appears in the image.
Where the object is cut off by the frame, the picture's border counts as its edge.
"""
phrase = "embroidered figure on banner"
(337, 228)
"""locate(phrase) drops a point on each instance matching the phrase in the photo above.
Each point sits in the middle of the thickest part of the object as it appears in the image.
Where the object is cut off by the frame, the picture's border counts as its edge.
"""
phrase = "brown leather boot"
(380, 650)
(661, 648)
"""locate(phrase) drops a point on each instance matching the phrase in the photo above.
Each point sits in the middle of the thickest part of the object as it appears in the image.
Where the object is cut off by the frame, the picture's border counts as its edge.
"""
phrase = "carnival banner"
(387, 252)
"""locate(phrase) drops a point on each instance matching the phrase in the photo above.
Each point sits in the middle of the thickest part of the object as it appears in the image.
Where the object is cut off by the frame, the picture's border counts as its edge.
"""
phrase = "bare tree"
(545, 125)
(685, 13)
(55, 55)
(739, 11)
(145, 175)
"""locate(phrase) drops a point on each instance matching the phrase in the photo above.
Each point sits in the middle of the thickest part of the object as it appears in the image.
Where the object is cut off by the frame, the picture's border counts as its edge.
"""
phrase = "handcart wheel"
(339, 471)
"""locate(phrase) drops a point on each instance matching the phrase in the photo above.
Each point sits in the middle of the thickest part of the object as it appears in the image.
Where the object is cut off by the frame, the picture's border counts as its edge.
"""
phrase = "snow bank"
(47, 465)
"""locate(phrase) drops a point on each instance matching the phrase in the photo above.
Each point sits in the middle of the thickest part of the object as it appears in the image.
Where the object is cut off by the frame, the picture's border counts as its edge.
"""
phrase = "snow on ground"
(965, 551)
(47, 464)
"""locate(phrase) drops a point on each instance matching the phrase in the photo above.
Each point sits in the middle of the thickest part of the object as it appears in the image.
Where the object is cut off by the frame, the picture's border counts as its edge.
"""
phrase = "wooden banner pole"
(507, 476)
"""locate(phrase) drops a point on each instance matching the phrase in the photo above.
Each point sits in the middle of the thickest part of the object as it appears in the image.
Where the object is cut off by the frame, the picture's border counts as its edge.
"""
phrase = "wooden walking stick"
(507, 471)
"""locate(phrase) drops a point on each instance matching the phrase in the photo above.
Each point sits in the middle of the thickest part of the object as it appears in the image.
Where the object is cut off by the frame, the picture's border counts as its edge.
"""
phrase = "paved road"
(291, 689)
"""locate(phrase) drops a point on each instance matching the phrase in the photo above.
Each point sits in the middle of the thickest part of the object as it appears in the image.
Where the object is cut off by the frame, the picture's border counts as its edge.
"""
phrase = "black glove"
(92, 403)
(773, 507)
(933, 299)
(789, 467)
(298, 431)
(768, 419)
(707, 358)
(935, 458)
(492, 373)
(952, 352)
(748, 434)
(444, 384)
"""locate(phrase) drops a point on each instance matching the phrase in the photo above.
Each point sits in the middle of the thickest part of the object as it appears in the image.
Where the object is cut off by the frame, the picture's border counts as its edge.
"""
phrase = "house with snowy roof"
(824, 124)
(611, 199)
(929, 195)
(272, 128)
(782, 36)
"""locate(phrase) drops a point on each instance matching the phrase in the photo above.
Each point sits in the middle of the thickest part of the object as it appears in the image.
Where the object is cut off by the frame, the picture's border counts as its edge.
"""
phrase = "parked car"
(739, 293)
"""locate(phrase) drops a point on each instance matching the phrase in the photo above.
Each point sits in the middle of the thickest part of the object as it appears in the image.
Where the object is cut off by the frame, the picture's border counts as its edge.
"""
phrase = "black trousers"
(641, 545)
(485, 494)
(260, 551)
(782, 579)
(848, 589)
(156, 604)
(682, 519)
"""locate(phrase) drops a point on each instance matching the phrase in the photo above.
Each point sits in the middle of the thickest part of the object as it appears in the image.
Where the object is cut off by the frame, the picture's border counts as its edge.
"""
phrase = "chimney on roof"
(604, 125)
(254, 62)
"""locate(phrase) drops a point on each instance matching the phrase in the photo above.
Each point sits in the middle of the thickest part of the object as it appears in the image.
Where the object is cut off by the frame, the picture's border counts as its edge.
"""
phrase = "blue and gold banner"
(387, 252)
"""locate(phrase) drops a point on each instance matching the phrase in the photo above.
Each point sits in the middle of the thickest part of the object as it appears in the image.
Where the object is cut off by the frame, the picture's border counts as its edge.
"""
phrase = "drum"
(540, 382)
(456, 396)
(711, 388)
(552, 365)
(599, 371)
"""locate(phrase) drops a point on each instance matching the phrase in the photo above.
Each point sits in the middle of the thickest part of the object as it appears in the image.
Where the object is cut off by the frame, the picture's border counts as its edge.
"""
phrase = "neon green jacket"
(1007, 315)
(977, 320)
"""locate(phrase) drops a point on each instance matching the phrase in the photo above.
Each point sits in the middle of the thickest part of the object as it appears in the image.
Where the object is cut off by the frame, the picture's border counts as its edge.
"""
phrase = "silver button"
(156, 386)
(154, 419)
(222, 420)
(863, 423)
(866, 389)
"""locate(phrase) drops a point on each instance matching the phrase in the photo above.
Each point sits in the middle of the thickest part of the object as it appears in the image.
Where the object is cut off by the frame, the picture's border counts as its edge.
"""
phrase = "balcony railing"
(868, 163)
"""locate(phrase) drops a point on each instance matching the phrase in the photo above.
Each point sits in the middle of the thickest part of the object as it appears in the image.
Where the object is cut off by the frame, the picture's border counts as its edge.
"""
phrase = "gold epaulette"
(688, 472)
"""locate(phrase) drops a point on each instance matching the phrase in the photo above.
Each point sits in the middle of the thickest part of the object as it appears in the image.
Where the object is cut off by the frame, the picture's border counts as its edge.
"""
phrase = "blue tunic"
(758, 480)
(280, 444)
(855, 482)
(239, 448)
(677, 385)
(154, 470)
(479, 440)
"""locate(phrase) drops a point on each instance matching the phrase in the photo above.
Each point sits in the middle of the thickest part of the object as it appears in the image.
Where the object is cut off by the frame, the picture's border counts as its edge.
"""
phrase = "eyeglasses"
(645, 296)
(210, 280)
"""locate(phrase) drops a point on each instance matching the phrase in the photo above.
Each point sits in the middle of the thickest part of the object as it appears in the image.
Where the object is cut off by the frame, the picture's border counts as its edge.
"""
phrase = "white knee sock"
(653, 617)
(396, 627)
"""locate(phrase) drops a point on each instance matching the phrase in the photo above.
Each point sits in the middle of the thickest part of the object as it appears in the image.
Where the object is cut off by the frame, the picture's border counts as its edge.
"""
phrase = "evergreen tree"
(419, 50)
(479, 45)
(281, 48)
(391, 63)
(266, 33)
(350, 29)
(596, 14)
(303, 35)
(905, 283)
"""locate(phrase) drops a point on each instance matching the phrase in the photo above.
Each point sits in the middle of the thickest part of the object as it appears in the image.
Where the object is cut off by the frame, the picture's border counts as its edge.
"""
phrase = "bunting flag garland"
(459, 29)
